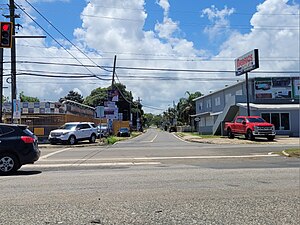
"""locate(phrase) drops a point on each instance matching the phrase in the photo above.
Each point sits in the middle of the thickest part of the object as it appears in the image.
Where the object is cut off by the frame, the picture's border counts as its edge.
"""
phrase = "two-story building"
(276, 99)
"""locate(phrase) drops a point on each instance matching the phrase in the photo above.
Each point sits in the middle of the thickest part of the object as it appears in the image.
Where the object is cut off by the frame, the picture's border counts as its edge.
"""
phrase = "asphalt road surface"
(154, 179)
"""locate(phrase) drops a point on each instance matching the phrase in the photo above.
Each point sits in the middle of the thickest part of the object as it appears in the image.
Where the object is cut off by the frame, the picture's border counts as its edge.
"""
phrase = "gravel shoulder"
(280, 140)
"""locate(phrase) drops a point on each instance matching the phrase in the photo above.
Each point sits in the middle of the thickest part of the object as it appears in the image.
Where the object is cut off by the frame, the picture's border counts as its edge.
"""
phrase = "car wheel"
(9, 164)
(250, 135)
(72, 140)
(230, 134)
(93, 138)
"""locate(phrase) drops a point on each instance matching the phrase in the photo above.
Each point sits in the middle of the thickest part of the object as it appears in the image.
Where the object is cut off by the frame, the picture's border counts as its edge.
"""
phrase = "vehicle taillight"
(27, 139)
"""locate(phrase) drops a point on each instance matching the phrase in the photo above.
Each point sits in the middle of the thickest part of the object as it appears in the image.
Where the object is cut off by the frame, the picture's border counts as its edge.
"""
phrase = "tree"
(73, 96)
(97, 97)
(187, 107)
(24, 98)
(125, 102)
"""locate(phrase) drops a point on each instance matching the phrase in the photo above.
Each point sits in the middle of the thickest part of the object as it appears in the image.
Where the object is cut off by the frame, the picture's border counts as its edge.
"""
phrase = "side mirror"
(244, 122)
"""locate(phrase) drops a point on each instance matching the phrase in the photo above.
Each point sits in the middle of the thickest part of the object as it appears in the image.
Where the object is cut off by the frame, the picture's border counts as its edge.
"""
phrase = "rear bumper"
(30, 157)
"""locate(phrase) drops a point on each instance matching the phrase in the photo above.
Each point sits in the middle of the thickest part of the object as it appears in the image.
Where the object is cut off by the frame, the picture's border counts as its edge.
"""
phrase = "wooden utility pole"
(114, 71)
(13, 59)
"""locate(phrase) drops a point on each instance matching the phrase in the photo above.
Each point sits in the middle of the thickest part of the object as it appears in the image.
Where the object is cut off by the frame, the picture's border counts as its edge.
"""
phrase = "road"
(154, 179)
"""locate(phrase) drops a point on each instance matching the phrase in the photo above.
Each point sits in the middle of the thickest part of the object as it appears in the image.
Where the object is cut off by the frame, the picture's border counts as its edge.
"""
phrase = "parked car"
(73, 132)
(123, 132)
(251, 127)
(102, 131)
(18, 146)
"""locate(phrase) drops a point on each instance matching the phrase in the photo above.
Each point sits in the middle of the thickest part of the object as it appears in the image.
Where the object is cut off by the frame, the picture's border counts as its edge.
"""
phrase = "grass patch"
(293, 152)
(113, 139)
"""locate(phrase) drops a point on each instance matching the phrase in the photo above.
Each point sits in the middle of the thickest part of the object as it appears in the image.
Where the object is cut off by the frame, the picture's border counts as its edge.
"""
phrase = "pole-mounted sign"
(247, 62)
(5, 34)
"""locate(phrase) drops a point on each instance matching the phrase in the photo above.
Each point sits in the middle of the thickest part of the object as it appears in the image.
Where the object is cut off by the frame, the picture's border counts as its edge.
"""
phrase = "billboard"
(273, 88)
(296, 88)
(246, 62)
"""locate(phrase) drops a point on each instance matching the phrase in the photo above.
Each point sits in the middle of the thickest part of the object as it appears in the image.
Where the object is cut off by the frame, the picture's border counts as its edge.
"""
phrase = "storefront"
(276, 99)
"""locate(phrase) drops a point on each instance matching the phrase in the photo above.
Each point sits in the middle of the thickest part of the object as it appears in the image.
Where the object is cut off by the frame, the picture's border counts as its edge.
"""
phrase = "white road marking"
(151, 141)
(53, 153)
(90, 164)
(188, 142)
(161, 158)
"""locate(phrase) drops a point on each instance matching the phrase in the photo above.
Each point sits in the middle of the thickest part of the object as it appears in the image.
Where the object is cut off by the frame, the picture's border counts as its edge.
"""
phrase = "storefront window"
(275, 120)
(266, 117)
(281, 121)
(285, 123)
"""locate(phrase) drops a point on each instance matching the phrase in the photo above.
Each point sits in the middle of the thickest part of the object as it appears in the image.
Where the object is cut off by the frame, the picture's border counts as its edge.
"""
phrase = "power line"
(288, 27)
(66, 37)
(157, 69)
(56, 40)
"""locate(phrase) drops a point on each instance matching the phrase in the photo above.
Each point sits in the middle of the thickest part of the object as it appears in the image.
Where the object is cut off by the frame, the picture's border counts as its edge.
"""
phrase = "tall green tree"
(187, 107)
(97, 97)
(24, 98)
(73, 96)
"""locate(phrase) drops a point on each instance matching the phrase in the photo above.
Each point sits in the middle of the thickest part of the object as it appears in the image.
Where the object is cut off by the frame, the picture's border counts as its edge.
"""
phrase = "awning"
(216, 113)
(270, 106)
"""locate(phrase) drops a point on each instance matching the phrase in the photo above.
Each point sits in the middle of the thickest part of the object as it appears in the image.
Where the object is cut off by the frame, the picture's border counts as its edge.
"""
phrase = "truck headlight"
(255, 128)
(273, 128)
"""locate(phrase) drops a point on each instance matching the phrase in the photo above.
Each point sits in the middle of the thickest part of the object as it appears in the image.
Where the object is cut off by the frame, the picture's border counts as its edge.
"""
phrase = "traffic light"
(5, 35)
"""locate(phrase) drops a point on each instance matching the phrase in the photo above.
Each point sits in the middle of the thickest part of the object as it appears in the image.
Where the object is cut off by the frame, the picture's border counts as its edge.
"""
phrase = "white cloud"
(114, 30)
(218, 18)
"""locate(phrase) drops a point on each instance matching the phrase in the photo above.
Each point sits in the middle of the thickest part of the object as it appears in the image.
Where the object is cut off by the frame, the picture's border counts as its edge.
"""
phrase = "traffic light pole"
(13, 59)
(1, 82)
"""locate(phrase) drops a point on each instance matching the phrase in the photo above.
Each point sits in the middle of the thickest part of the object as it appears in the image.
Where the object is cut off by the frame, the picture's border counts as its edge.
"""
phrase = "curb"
(286, 154)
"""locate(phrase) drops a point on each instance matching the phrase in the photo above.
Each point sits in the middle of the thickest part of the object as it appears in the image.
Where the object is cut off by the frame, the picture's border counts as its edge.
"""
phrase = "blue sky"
(65, 15)
(181, 35)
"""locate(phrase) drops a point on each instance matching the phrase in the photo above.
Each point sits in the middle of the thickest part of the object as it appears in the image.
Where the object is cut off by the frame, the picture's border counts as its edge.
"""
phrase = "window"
(4, 130)
(281, 121)
(240, 120)
(285, 121)
(217, 101)
(200, 106)
(208, 103)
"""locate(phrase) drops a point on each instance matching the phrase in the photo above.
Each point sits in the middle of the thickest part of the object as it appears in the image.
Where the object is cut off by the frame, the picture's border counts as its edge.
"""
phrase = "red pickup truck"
(251, 127)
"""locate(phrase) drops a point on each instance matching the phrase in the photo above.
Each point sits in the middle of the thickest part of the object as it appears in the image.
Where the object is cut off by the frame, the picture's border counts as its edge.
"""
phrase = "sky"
(163, 48)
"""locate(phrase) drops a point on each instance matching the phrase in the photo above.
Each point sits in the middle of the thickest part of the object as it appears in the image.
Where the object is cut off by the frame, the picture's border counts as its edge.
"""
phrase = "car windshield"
(68, 126)
(256, 120)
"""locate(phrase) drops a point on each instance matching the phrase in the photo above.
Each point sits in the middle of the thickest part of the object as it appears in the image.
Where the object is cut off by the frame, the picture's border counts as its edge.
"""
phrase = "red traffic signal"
(5, 35)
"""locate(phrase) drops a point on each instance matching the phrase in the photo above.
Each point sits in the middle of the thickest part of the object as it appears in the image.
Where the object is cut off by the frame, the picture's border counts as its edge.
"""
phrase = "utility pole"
(1, 82)
(137, 115)
(13, 59)
(114, 71)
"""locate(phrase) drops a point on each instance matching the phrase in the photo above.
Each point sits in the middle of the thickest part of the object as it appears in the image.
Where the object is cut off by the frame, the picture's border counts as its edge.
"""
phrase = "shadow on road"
(23, 173)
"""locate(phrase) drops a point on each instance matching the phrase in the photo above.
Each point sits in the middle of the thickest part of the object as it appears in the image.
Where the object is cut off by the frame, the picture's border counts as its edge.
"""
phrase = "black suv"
(18, 146)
